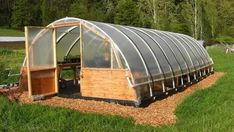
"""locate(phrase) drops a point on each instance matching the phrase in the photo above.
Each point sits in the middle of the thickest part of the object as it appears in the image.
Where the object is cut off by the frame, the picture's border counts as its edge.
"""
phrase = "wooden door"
(40, 43)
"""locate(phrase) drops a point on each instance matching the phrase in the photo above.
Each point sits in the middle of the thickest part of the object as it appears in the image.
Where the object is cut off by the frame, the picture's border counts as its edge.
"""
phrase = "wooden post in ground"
(27, 62)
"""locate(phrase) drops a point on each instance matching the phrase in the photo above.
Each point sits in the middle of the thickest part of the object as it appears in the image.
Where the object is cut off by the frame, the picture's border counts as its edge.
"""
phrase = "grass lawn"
(211, 109)
(13, 59)
(10, 32)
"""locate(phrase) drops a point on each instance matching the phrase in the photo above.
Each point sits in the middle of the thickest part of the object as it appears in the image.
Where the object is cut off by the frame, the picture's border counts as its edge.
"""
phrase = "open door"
(40, 43)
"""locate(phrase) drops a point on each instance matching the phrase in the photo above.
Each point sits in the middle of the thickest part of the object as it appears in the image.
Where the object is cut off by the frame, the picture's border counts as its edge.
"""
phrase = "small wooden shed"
(110, 61)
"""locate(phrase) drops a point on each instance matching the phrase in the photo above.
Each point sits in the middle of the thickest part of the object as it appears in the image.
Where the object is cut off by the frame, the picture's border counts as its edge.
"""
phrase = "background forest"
(210, 20)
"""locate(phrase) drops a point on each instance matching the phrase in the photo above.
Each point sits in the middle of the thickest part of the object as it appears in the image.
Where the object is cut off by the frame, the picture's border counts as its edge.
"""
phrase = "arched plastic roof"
(150, 55)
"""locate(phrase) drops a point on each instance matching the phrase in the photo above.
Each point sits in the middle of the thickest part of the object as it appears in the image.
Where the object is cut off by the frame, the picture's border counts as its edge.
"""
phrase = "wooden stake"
(27, 63)
(55, 60)
(81, 47)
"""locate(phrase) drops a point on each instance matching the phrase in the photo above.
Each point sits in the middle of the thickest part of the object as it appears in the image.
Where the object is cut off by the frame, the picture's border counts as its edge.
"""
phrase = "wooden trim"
(46, 95)
(41, 69)
(55, 60)
(65, 24)
(81, 46)
(27, 62)
(97, 33)
(69, 64)
(112, 57)
(39, 27)
(49, 94)
(104, 69)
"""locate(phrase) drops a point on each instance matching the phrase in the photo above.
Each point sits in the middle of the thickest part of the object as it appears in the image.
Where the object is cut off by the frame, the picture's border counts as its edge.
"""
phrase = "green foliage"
(12, 59)
(211, 14)
(52, 10)
(225, 17)
(25, 13)
(94, 10)
(79, 9)
(202, 19)
(127, 13)
(5, 12)
(224, 39)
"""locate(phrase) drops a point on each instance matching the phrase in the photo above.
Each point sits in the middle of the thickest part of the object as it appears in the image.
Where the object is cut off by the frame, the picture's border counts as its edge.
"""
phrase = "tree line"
(201, 19)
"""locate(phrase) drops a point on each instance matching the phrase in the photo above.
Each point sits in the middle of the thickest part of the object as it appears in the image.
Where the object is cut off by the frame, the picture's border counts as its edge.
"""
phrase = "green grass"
(13, 59)
(43, 118)
(224, 39)
(211, 109)
(10, 32)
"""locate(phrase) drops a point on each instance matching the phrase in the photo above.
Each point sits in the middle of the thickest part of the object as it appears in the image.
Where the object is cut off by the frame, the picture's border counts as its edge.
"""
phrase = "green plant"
(224, 39)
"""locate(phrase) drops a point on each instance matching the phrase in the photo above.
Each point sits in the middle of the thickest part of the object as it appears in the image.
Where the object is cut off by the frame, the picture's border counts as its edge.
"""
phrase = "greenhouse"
(110, 62)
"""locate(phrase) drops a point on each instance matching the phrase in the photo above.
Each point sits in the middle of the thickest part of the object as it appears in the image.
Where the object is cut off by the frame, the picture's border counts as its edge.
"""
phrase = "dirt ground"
(157, 113)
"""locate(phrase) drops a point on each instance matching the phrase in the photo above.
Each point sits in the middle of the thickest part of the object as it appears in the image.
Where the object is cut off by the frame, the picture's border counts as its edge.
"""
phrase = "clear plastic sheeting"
(146, 52)
(74, 49)
(96, 51)
(133, 57)
(65, 41)
(150, 55)
(40, 42)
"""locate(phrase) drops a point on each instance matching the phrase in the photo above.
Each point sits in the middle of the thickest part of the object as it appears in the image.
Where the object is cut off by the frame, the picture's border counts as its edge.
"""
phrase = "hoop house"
(112, 62)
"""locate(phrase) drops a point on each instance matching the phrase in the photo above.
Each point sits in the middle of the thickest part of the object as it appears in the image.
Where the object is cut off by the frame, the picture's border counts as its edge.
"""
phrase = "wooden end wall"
(106, 83)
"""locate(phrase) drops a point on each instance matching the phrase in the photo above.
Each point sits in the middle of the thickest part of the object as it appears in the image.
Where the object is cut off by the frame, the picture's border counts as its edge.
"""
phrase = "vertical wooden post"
(112, 61)
(55, 59)
(27, 62)
(81, 57)
(81, 46)
(163, 86)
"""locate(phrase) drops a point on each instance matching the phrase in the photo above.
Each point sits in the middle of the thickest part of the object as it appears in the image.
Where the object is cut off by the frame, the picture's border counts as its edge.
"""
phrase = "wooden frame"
(55, 60)
(27, 62)
(65, 24)
(51, 72)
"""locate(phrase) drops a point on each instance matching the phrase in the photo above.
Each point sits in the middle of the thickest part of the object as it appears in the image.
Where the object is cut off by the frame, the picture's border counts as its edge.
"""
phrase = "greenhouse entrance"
(69, 76)
(51, 70)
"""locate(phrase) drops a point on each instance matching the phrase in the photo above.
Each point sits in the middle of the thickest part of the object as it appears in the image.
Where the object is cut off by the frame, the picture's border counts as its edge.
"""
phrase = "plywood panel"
(106, 83)
(43, 82)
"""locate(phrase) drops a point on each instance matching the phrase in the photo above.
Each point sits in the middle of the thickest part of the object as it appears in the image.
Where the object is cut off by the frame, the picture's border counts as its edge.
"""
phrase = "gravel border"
(160, 112)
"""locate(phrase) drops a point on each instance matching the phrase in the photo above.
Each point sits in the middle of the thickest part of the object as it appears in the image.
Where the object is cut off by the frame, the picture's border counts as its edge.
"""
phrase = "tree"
(211, 13)
(109, 10)
(159, 14)
(225, 17)
(5, 12)
(93, 10)
(127, 13)
(25, 12)
(148, 11)
(54, 9)
(79, 9)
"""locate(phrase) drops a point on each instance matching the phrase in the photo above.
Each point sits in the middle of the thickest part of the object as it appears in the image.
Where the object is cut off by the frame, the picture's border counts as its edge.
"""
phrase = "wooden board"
(43, 82)
(106, 83)
(23, 82)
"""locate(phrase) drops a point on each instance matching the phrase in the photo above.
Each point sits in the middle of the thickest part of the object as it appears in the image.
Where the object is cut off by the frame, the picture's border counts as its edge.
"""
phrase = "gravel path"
(157, 113)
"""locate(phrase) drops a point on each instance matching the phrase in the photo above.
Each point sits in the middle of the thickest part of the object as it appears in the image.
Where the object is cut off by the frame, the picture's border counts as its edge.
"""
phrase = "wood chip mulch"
(160, 112)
